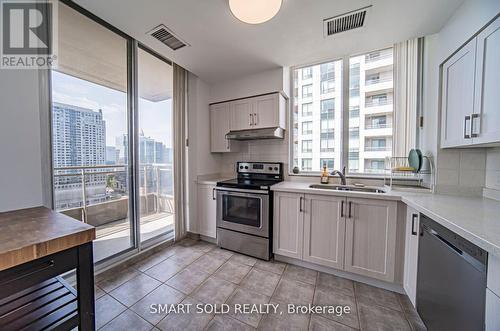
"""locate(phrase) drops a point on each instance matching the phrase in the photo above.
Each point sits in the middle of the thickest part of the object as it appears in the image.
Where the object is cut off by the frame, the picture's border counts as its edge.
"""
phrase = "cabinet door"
(207, 210)
(288, 224)
(324, 229)
(486, 118)
(241, 114)
(370, 238)
(458, 97)
(219, 127)
(411, 253)
(266, 111)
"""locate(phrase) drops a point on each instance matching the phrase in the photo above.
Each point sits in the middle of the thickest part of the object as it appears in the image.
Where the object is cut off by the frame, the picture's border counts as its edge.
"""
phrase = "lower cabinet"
(492, 319)
(207, 209)
(355, 235)
(370, 238)
(324, 227)
(288, 224)
(411, 253)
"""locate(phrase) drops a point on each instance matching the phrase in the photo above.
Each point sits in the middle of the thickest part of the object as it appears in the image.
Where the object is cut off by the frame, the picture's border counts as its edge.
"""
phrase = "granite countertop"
(477, 219)
(28, 234)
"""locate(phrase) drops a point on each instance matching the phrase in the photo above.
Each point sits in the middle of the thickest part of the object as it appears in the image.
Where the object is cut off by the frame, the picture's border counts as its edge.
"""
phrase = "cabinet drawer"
(28, 274)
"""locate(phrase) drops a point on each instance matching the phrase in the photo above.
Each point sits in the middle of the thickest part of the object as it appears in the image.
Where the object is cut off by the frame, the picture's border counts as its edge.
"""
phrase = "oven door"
(245, 211)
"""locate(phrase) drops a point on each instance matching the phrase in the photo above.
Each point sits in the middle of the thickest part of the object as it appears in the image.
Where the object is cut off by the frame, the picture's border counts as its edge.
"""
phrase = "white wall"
(459, 171)
(200, 160)
(260, 83)
(20, 172)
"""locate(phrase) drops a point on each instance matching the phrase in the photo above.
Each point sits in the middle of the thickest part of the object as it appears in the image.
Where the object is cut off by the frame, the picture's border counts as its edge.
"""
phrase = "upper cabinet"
(259, 112)
(486, 118)
(469, 94)
(219, 126)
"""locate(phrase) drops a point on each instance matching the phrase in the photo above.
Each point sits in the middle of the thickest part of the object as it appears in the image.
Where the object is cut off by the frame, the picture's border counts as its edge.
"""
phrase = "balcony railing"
(380, 56)
(89, 208)
(377, 80)
(377, 148)
(378, 126)
(377, 103)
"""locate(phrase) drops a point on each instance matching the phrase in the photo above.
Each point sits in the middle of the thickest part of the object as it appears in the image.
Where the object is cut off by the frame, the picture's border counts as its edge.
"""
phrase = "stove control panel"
(259, 168)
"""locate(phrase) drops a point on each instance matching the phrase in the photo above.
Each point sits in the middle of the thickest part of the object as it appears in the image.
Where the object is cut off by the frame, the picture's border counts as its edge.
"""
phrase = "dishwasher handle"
(480, 266)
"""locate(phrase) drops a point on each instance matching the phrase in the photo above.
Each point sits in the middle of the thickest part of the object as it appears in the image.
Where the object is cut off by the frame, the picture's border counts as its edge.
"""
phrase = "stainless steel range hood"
(267, 133)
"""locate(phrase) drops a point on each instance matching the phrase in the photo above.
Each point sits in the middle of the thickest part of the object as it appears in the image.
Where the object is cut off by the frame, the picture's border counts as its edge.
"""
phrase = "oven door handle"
(227, 189)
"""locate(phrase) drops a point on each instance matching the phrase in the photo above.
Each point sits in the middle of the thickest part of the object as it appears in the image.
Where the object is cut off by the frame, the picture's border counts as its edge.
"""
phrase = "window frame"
(345, 88)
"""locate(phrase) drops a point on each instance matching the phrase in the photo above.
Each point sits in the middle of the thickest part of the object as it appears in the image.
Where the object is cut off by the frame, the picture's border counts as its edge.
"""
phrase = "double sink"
(350, 188)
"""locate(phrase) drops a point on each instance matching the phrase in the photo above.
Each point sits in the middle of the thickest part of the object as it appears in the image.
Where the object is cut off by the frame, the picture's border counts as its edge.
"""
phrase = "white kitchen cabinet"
(288, 224)
(457, 98)
(370, 238)
(241, 114)
(411, 253)
(469, 92)
(492, 318)
(207, 209)
(324, 229)
(268, 111)
(220, 117)
(486, 117)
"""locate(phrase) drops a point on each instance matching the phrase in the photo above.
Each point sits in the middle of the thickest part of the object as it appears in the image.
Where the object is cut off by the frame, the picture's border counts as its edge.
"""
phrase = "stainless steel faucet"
(341, 175)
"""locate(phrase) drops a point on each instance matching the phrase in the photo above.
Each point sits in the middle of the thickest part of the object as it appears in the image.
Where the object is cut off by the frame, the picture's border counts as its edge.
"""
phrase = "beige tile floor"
(197, 272)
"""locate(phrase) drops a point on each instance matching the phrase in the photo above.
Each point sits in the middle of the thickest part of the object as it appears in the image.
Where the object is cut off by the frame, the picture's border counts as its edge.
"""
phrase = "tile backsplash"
(461, 171)
(492, 180)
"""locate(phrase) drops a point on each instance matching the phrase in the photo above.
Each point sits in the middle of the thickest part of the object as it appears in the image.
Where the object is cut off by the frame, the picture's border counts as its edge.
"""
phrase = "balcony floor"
(114, 237)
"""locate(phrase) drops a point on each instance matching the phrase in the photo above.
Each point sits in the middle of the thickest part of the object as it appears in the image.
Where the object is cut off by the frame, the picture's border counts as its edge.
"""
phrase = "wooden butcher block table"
(37, 245)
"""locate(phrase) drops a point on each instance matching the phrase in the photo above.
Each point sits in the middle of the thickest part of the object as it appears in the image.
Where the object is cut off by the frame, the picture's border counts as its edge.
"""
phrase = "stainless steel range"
(245, 208)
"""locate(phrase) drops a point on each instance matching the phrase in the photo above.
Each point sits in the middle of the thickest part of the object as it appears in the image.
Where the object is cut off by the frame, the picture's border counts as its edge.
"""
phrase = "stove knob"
(276, 168)
(270, 168)
(241, 167)
(246, 167)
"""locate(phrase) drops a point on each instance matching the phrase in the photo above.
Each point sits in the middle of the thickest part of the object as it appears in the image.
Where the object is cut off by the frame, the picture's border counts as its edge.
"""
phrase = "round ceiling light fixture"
(254, 11)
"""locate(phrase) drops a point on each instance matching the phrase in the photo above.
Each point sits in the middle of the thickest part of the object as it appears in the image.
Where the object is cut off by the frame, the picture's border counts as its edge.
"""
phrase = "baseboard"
(208, 239)
(358, 278)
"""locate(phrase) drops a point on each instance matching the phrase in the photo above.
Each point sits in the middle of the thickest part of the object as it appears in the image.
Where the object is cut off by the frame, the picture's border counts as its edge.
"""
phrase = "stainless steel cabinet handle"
(250, 121)
(350, 209)
(413, 218)
(342, 209)
(300, 204)
(466, 136)
(255, 118)
(472, 134)
(213, 194)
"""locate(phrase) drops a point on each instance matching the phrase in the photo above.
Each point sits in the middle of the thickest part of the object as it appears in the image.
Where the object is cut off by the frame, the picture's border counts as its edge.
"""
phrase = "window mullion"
(344, 155)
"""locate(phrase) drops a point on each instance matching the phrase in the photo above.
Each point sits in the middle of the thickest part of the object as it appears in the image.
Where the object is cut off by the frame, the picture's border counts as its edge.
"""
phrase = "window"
(307, 164)
(307, 109)
(307, 128)
(367, 110)
(307, 91)
(328, 162)
(370, 152)
(307, 73)
(327, 86)
(327, 71)
(92, 97)
(307, 146)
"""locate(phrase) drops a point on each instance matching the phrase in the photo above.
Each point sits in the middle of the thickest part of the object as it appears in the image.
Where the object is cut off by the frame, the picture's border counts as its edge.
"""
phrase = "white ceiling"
(224, 48)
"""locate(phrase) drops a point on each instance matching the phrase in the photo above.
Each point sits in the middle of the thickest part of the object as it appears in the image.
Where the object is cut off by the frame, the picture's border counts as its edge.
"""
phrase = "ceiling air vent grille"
(345, 22)
(166, 36)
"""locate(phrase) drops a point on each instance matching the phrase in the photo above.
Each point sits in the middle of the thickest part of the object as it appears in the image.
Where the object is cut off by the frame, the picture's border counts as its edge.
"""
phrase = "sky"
(155, 118)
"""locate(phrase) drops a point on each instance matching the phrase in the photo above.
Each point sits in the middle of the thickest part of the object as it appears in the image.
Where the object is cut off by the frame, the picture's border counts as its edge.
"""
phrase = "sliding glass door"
(112, 147)
(156, 190)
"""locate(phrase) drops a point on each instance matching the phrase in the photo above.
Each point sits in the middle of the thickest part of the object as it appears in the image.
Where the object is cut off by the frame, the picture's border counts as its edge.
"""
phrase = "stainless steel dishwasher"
(451, 280)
